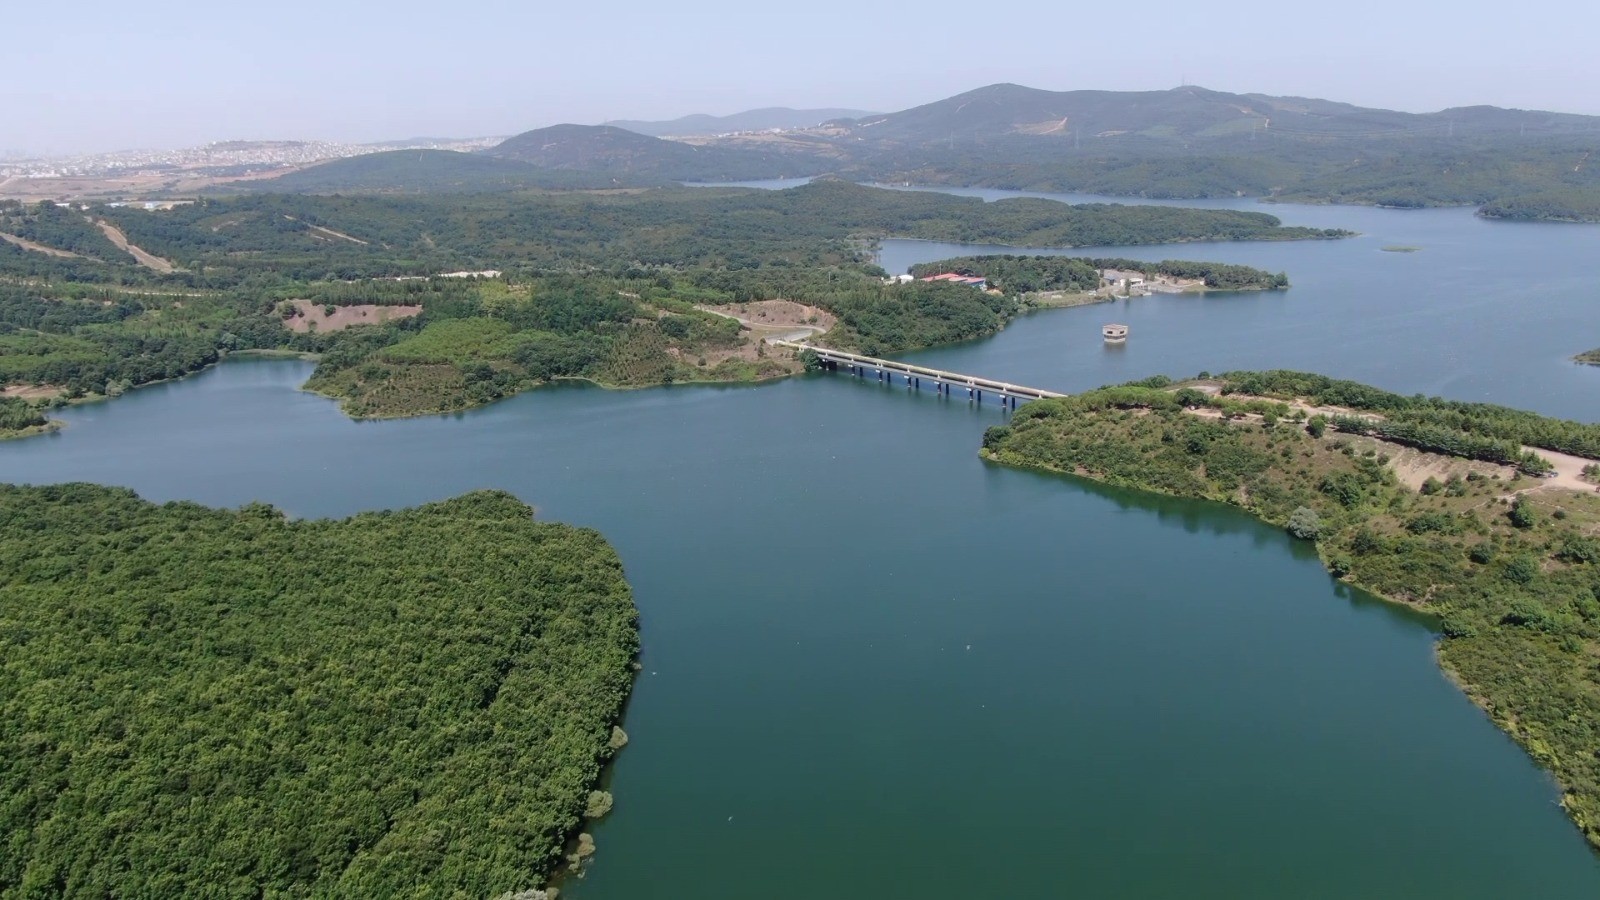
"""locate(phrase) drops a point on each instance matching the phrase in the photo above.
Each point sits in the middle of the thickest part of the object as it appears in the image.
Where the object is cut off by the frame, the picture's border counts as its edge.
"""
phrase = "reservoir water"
(877, 667)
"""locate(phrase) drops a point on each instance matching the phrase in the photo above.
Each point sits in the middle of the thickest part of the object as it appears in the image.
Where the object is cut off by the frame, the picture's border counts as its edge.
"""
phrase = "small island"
(1589, 358)
(207, 701)
(1485, 516)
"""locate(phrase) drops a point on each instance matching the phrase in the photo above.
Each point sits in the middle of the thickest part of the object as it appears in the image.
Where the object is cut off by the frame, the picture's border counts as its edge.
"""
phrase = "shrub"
(1305, 524)
(1440, 522)
(1366, 542)
(1456, 627)
(1525, 613)
(1521, 569)
(600, 803)
(1523, 514)
(1344, 487)
(1578, 549)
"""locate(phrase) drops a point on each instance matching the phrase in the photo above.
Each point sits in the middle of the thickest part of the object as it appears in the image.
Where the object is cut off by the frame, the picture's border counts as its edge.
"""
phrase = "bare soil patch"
(26, 244)
(32, 391)
(310, 315)
(1569, 471)
(329, 232)
(148, 260)
(777, 319)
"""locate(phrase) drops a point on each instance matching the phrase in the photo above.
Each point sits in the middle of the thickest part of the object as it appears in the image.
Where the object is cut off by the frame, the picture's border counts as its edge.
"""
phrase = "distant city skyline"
(185, 73)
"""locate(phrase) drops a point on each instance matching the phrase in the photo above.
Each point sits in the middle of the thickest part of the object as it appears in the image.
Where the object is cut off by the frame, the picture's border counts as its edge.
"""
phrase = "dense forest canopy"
(199, 702)
(224, 241)
(1512, 568)
(246, 241)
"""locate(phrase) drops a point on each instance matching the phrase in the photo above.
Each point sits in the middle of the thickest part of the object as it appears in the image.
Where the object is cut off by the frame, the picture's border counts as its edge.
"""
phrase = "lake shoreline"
(1508, 727)
(1504, 565)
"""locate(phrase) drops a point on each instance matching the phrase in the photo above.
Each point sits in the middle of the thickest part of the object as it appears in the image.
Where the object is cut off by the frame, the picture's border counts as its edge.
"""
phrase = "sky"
(102, 76)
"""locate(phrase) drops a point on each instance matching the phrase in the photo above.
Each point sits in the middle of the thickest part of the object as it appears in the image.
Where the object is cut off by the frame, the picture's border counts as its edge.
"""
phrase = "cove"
(876, 666)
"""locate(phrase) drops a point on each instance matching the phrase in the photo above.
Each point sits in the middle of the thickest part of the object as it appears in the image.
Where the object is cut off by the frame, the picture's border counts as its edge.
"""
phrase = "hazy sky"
(99, 75)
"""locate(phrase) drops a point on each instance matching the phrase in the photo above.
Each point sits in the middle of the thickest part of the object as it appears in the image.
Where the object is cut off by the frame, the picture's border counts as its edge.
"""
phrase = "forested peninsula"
(1591, 357)
(1510, 563)
(228, 702)
(420, 305)
(1020, 274)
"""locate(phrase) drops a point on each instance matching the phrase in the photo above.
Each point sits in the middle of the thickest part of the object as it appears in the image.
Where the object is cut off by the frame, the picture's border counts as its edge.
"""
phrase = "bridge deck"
(938, 376)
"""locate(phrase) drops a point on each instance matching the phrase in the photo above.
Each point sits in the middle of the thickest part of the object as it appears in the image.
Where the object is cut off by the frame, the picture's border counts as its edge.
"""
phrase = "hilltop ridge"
(1182, 143)
(767, 118)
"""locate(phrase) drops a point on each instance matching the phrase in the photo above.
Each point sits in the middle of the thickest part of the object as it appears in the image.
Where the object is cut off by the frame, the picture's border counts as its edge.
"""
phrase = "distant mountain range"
(1187, 142)
(1187, 114)
(772, 117)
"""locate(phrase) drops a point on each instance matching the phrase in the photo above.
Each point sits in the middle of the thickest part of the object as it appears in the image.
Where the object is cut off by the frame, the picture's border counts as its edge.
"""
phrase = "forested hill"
(1188, 142)
(1192, 142)
(628, 155)
(1187, 114)
(199, 702)
(1182, 143)
(219, 242)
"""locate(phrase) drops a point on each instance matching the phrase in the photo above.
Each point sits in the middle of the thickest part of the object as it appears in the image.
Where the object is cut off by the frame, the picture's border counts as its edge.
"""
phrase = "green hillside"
(199, 702)
(629, 155)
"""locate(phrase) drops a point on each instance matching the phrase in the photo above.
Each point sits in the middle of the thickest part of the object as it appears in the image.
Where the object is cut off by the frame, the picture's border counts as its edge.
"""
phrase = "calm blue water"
(877, 667)
(1485, 310)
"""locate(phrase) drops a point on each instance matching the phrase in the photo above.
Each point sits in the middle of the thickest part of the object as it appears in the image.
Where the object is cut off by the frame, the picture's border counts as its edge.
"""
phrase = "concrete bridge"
(941, 381)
